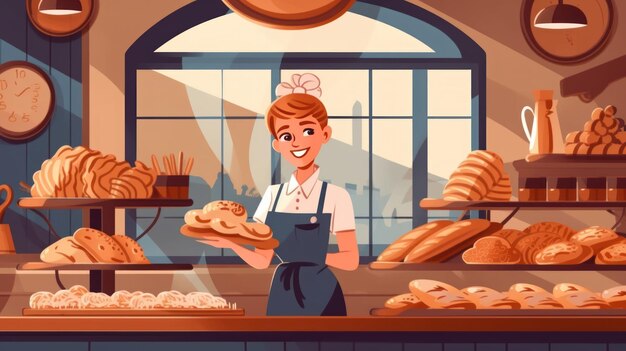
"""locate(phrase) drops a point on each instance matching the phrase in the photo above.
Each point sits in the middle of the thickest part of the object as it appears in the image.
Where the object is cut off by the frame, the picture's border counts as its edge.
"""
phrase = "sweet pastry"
(403, 302)
(487, 298)
(616, 296)
(92, 246)
(436, 294)
(397, 250)
(131, 249)
(596, 237)
(480, 174)
(41, 299)
(492, 249)
(532, 244)
(562, 230)
(614, 254)
(444, 243)
(563, 252)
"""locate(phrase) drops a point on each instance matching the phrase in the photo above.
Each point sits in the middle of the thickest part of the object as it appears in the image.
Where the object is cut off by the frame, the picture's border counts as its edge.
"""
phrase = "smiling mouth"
(300, 153)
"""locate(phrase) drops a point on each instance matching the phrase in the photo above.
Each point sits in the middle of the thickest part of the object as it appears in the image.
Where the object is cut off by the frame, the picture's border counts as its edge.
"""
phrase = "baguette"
(616, 296)
(436, 294)
(486, 298)
(444, 240)
(403, 302)
(397, 250)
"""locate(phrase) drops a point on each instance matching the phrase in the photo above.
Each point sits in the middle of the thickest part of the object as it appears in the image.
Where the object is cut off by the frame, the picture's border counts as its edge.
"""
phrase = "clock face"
(26, 100)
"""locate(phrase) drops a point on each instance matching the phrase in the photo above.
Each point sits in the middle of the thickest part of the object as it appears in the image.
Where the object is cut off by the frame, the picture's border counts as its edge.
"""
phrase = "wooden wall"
(61, 59)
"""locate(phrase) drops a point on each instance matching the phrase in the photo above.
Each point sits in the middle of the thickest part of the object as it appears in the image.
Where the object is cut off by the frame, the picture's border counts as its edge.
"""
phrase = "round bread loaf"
(133, 251)
(491, 250)
(531, 244)
(66, 250)
(563, 252)
(100, 246)
(562, 230)
(596, 237)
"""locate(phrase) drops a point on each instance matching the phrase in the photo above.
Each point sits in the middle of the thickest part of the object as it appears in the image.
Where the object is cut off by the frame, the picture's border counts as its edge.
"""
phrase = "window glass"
(392, 93)
(392, 142)
(388, 230)
(247, 92)
(449, 143)
(344, 92)
(449, 93)
(179, 93)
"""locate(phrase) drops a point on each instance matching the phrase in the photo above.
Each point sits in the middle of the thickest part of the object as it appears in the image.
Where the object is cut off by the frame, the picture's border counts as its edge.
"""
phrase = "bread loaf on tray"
(397, 250)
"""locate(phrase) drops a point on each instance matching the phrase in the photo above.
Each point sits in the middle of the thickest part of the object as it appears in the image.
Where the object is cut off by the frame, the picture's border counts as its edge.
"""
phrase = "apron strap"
(320, 204)
(280, 189)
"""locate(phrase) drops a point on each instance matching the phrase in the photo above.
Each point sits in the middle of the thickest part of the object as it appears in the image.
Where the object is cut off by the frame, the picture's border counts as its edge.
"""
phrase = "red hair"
(296, 106)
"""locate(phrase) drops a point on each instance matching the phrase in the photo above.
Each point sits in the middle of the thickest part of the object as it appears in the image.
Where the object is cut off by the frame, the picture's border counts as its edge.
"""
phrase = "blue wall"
(61, 59)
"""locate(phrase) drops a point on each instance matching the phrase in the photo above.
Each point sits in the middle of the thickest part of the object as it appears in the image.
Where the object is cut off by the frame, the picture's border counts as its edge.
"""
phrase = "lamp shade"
(560, 16)
(60, 7)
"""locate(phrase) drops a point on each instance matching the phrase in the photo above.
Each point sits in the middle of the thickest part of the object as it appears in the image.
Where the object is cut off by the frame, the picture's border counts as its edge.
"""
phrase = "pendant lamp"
(560, 16)
(60, 7)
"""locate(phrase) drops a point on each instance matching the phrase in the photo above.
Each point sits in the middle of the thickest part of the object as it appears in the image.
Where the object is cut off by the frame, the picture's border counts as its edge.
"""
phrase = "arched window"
(404, 90)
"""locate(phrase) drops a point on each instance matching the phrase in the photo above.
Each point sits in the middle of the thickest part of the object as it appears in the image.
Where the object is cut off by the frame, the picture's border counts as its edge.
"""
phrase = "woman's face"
(299, 140)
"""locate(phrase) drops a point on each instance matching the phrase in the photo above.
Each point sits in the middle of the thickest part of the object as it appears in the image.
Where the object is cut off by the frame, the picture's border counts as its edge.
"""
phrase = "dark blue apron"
(303, 285)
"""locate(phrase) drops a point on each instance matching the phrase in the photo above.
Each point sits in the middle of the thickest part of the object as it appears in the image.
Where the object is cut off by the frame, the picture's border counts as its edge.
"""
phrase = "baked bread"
(66, 250)
(131, 249)
(436, 294)
(616, 296)
(596, 237)
(490, 250)
(99, 174)
(226, 210)
(510, 235)
(584, 300)
(501, 191)
(475, 177)
(614, 254)
(100, 245)
(135, 183)
(401, 303)
(208, 234)
(397, 250)
(486, 298)
(532, 244)
(563, 252)
(562, 230)
(533, 297)
(444, 243)
(563, 289)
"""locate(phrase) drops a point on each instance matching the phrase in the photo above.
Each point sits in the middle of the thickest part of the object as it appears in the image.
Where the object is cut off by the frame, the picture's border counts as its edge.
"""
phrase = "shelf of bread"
(78, 203)
(441, 204)
(43, 266)
(478, 244)
(432, 297)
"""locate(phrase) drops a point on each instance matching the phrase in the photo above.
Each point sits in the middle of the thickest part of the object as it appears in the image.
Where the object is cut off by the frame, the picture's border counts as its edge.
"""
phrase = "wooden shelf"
(444, 266)
(78, 203)
(181, 312)
(439, 204)
(43, 266)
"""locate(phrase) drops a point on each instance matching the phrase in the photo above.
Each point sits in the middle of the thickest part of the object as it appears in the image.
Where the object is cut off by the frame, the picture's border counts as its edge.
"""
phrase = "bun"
(564, 252)
(596, 237)
(491, 249)
(399, 248)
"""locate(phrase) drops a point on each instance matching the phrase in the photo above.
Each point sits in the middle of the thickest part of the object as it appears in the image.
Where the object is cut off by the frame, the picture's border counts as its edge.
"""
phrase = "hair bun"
(307, 83)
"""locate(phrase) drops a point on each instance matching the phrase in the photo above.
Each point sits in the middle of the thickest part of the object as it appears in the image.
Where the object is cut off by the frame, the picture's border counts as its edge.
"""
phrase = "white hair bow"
(307, 83)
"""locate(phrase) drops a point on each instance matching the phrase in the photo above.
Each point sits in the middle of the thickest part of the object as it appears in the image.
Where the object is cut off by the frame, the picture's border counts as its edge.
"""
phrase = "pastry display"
(227, 220)
(480, 176)
(78, 297)
(82, 172)
(92, 246)
(603, 134)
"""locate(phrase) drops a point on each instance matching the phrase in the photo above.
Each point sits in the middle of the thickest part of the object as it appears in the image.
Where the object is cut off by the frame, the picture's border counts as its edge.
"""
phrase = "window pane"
(165, 244)
(344, 92)
(179, 93)
(195, 138)
(388, 230)
(392, 142)
(247, 163)
(449, 143)
(450, 93)
(247, 92)
(392, 93)
(345, 147)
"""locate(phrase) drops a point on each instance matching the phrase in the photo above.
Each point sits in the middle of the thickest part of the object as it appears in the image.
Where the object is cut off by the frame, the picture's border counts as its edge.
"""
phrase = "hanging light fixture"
(60, 7)
(560, 16)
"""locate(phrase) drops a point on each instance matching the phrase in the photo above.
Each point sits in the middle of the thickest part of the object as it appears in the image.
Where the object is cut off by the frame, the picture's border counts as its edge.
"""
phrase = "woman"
(303, 212)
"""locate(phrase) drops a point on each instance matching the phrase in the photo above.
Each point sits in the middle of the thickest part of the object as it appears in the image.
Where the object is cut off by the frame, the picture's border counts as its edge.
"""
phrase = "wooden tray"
(427, 312)
(133, 312)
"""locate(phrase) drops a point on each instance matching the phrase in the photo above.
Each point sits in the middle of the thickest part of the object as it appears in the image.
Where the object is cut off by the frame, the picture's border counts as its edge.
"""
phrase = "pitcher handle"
(529, 135)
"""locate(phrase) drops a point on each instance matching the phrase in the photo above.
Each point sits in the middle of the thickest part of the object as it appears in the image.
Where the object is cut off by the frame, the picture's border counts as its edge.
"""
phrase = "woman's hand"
(219, 243)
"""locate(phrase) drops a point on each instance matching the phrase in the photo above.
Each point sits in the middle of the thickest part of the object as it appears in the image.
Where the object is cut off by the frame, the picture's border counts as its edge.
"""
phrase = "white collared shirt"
(303, 198)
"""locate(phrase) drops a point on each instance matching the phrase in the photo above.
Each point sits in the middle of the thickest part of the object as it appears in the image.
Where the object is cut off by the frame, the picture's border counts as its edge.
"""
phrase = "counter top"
(316, 324)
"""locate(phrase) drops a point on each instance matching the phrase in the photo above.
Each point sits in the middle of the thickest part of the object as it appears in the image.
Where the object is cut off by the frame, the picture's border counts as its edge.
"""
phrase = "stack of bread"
(480, 176)
(602, 135)
(437, 241)
(548, 243)
(82, 172)
(432, 294)
(227, 220)
(78, 297)
(92, 246)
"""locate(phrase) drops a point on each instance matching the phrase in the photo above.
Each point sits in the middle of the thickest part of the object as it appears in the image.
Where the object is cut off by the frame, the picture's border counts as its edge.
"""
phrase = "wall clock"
(26, 100)
(59, 23)
(569, 45)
